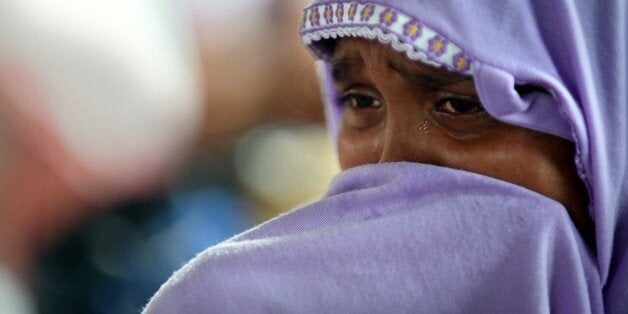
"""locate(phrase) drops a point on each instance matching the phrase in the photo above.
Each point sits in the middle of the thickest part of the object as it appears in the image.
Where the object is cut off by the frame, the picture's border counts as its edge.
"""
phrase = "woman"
(470, 134)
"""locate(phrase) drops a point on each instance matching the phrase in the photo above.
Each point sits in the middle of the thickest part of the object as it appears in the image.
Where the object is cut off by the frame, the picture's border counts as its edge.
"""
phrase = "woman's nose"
(404, 136)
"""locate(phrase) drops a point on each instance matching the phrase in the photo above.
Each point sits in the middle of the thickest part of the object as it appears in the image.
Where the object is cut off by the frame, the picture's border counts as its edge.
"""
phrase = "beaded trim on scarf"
(390, 26)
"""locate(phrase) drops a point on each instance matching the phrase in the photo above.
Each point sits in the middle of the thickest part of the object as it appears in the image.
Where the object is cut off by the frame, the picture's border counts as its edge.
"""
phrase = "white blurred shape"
(286, 166)
(120, 80)
(13, 296)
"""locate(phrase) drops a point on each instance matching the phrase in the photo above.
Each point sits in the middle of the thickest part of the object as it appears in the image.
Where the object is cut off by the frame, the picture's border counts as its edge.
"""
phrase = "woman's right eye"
(359, 102)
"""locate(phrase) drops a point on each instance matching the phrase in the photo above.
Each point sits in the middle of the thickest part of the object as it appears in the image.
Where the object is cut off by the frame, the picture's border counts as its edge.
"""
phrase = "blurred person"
(275, 84)
(484, 149)
(99, 102)
(263, 102)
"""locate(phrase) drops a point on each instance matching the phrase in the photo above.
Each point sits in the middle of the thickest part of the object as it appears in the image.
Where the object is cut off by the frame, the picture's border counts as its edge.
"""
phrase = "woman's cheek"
(357, 148)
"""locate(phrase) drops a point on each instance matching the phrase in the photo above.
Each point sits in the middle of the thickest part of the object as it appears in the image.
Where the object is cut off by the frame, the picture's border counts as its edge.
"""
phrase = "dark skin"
(397, 109)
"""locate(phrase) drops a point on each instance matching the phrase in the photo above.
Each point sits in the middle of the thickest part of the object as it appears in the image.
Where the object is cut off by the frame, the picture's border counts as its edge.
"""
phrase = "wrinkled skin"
(400, 110)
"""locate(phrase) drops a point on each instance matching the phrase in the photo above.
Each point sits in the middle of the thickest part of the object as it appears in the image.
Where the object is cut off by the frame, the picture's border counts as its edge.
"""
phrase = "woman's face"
(399, 110)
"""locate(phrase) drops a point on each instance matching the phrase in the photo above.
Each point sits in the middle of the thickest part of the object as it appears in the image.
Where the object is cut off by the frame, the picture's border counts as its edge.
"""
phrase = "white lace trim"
(389, 26)
(365, 32)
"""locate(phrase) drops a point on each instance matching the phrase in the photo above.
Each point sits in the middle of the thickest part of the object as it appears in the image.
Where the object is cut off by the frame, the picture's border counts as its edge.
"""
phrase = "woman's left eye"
(455, 106)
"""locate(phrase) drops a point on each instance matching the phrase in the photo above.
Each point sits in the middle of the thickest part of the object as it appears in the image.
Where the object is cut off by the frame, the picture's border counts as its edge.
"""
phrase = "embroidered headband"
(389, 25)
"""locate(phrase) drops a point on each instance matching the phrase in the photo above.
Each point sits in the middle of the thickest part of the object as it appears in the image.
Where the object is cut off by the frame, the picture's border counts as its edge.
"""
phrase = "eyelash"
(470, 106)
(344, 101)
(445, 105)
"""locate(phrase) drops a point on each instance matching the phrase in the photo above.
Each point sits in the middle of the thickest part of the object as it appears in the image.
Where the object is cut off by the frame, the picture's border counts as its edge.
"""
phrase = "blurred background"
(135, 134)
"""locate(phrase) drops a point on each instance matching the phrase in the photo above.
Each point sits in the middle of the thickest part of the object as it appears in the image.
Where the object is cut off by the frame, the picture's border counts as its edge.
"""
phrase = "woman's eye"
(458, 106)
(357, 101)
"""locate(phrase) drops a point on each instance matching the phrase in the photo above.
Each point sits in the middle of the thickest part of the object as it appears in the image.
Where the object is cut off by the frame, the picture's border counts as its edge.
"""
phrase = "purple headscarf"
(391, 238)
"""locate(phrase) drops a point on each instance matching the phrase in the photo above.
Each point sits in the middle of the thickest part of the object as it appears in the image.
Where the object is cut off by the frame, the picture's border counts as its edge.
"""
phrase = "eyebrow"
(434, 79)
(342, 68)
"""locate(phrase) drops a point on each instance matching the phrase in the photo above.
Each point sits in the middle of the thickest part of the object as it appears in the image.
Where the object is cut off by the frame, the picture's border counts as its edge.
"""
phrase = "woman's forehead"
(354, 54)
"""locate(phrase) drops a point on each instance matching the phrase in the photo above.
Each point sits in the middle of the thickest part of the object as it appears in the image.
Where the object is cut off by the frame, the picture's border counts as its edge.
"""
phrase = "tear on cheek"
(426, 125)
(375, 145)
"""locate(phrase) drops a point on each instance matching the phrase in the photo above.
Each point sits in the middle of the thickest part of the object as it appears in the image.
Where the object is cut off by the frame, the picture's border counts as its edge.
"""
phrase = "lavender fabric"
(398, 237)
(419, 238)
